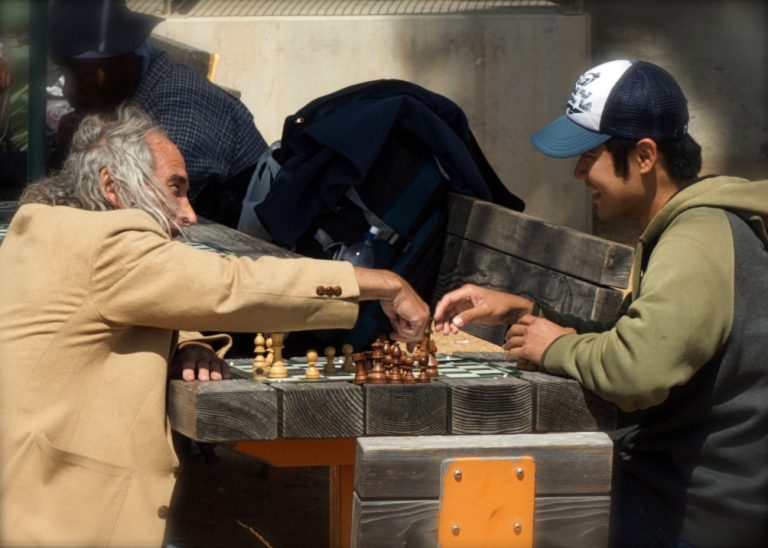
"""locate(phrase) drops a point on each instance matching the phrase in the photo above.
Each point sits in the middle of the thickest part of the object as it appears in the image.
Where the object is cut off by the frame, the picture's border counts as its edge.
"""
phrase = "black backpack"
(382, 153)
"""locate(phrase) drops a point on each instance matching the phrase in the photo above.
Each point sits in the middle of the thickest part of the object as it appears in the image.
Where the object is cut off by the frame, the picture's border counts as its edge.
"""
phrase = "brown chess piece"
(431, 352)
(407, 368)
(377, 374)
(361, 374)
(423, 362)
(329, 368)
(349, 365)
(394, 374)
(387, 359)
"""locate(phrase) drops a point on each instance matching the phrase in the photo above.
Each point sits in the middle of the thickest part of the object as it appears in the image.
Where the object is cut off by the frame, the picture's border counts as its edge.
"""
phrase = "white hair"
(120, 145)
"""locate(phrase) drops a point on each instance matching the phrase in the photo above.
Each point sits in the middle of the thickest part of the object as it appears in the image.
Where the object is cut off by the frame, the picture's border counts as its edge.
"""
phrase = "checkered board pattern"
(448, 367)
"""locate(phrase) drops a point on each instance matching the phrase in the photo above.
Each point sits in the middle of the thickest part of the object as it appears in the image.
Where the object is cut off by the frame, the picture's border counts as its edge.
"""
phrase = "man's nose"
(187, 215)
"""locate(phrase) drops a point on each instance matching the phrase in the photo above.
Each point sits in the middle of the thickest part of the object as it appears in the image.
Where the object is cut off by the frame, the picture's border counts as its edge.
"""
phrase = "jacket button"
(162, 512)
(337, 291)
(320, 290)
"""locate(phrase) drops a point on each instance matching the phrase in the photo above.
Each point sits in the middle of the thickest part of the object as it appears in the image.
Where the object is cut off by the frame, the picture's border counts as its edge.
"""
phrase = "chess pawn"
(349, 365)
(394, 372)
(259, 361)
(377, 374)
(407, 368)
(278, 369)
(431, 350)
(387, 360)
(423, 362)
(329, 368)
(361, 374)
(312, 371)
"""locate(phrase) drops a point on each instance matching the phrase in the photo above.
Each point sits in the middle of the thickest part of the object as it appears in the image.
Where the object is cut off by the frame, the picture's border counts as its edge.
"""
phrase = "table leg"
(341, 484)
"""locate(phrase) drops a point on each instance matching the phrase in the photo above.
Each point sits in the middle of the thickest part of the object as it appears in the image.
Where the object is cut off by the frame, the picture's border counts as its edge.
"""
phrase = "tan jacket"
(89, 305)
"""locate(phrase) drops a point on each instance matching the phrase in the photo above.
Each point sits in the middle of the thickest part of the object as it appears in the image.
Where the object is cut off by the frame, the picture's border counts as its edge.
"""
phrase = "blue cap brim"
(565, 139)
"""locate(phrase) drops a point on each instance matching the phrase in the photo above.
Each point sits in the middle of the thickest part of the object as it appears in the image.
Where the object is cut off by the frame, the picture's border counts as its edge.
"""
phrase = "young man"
(685, 359)
(93, 289)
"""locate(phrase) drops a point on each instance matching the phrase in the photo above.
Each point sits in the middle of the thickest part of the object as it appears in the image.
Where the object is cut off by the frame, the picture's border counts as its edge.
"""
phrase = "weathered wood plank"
(490, 406)
(469, 262)
(223, 410)
(566, 522)
(563, 405)
(409, 468)
(406, 409)
(559, 248)
(232, 241)
(320, 410)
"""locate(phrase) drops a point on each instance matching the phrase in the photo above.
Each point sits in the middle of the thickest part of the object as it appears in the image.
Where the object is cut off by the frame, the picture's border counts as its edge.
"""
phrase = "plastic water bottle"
(361, 253)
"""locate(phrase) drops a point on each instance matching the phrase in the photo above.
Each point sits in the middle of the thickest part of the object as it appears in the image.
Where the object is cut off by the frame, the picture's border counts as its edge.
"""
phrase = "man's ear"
(107, 185)
(647, 155)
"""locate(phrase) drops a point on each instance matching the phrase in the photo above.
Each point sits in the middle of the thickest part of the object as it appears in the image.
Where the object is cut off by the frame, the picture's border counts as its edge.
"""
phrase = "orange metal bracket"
(487, 502)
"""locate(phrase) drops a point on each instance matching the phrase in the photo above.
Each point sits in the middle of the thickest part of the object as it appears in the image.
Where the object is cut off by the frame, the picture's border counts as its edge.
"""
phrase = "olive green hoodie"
(682, 298)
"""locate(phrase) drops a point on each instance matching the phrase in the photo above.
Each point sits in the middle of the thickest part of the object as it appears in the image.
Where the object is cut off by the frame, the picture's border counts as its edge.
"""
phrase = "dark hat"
(96, 28)
(629, 99)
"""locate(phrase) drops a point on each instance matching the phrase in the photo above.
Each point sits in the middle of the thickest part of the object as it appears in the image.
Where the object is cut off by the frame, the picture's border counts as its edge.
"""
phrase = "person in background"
(685, 359)
(94, 289)
(103, 51)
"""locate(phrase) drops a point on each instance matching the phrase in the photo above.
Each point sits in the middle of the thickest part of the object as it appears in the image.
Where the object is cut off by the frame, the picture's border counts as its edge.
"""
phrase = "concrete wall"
(501, 68)
(512, 73)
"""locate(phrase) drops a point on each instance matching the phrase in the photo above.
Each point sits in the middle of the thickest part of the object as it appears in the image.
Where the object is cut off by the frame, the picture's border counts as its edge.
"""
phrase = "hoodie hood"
(748, 199)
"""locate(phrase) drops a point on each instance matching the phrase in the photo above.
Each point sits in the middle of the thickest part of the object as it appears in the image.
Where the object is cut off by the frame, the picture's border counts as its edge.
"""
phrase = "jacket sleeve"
(141, 278)
(682, 316)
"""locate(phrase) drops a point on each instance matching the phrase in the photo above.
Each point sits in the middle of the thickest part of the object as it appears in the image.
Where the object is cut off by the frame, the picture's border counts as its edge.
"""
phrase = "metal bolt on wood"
(518, 528)
(457, 475)
(455, 529)
(520, 473)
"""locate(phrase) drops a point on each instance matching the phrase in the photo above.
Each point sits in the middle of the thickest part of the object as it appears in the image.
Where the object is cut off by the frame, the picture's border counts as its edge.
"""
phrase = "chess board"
(449, 367)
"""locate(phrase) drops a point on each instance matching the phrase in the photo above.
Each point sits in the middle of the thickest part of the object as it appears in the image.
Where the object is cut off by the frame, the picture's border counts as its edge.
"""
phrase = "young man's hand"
(530, 337)
(478, 305)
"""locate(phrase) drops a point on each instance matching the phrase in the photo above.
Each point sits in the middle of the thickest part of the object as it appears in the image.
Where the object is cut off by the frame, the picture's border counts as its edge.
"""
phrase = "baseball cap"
(93, 29)
(623, 98)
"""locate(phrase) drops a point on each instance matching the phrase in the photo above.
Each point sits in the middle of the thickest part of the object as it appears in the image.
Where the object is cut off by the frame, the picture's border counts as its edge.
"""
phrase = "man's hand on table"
(530, 337)
(196, 360)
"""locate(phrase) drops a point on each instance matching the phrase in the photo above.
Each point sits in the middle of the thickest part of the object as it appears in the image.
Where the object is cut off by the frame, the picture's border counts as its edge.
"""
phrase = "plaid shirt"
(214, 131)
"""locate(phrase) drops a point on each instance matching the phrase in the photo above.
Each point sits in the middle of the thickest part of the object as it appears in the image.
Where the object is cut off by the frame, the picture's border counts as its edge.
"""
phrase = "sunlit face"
(171, 171)
(613, 196)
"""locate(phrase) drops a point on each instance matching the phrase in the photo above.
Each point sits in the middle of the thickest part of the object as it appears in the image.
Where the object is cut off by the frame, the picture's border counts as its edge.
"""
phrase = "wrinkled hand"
(478, 305)
(196, 360)
(531, 336)
(408, 313)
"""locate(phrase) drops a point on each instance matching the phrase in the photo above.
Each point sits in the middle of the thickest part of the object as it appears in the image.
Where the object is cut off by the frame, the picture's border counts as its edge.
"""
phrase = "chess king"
(94, 289)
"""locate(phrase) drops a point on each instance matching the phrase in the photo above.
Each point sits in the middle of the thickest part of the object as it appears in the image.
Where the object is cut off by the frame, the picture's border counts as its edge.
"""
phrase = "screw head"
(518, 528)
(520, 473)
(455, 529)
(457, 475)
